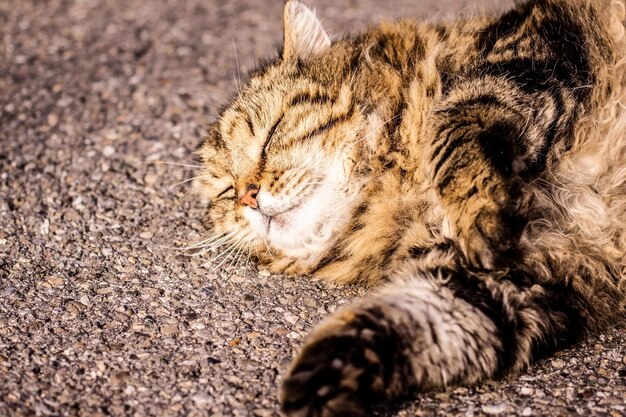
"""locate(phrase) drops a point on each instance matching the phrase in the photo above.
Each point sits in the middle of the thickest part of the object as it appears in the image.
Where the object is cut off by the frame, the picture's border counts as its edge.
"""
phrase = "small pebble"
(202, 399)
(53, 120)
(146, 235)
(197, 326)
(55, 281)
(150, 179)
(108, 151)
(169, 330)
(494, 409)
(44, 229)
(291, 319)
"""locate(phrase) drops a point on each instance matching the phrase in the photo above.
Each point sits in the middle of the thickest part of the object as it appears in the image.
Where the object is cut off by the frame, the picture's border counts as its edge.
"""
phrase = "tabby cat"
(474, 170)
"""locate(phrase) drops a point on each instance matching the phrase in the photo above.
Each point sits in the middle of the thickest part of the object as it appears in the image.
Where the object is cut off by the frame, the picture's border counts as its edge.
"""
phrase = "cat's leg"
(505, 117)
(430, 329)
(488, 135)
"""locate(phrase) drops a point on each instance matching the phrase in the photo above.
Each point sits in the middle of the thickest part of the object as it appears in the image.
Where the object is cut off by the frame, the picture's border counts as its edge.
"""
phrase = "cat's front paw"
(323, 385)
(343, 368)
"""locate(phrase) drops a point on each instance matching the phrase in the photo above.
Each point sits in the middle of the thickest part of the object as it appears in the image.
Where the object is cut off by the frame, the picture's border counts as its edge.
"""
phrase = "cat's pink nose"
(249, 198)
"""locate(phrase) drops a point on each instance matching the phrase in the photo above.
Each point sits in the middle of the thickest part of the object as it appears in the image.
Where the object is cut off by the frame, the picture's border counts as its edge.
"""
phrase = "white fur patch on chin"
(306, 231)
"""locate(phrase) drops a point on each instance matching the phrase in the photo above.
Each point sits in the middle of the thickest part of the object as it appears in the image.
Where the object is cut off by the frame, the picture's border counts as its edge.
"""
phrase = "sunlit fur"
(476, 169)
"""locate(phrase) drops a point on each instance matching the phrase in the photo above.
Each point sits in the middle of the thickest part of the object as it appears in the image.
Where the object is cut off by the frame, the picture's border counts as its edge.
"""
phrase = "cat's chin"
(293, 231)
(305, 230)
(304, 225)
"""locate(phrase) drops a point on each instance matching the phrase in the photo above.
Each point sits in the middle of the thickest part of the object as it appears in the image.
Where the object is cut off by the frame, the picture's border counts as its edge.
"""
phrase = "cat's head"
(280, 164)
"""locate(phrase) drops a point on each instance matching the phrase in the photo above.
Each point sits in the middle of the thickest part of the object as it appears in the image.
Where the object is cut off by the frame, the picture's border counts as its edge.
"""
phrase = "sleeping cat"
(475, 171)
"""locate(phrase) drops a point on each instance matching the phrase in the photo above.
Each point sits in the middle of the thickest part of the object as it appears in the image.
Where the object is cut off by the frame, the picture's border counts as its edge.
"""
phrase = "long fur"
(474, 170)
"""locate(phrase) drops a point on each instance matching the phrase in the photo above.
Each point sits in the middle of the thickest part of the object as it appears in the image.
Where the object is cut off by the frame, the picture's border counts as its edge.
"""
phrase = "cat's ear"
(304, 35)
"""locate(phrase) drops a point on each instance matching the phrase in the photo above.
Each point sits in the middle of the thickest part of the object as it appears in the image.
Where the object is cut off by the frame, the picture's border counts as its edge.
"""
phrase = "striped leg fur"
(430, 329)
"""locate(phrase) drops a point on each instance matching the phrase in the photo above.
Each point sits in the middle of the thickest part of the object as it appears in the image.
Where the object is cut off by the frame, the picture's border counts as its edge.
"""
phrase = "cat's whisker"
(203, 252)
(228, 252)
(177, 164)
(170, 248)
(238, 84)
(182, 197)
(188, 180)
(213, 238)
(237, 257)
(240, 244)
(257, 247)
(250, 253)
(196, 245)
(269, 250)
(230, 245)
(210, 247)
(235, 260)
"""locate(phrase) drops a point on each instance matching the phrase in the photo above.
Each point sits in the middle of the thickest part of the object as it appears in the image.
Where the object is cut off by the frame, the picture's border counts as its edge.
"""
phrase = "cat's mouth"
(280, 219)
(285, 223)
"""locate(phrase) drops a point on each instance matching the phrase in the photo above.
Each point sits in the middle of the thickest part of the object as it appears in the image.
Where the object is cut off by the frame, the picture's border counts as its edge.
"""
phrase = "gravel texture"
(99, 313)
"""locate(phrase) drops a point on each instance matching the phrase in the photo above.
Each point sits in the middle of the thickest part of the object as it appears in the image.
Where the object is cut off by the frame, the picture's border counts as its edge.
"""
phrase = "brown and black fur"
(479, 173)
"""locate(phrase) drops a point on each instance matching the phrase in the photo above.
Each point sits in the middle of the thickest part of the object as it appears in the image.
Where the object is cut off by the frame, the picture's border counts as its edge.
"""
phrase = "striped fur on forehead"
(290, 110)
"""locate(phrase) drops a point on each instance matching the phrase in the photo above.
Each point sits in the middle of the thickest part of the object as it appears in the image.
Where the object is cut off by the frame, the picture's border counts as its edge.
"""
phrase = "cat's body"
(477, 168)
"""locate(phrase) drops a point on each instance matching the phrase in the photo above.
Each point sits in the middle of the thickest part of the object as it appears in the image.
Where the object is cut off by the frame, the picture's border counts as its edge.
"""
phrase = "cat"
(474, 171)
